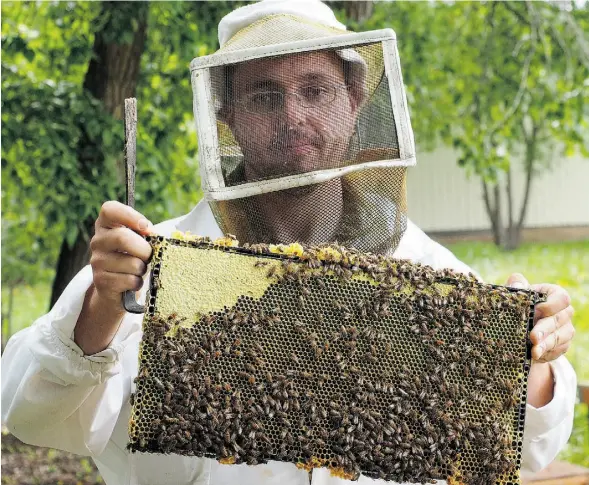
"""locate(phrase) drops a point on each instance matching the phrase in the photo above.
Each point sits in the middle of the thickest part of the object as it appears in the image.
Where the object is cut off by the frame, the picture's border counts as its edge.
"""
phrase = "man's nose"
(294, 112)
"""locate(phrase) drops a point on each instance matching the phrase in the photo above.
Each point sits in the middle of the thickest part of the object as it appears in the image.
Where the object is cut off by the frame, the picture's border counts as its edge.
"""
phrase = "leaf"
(71, 236)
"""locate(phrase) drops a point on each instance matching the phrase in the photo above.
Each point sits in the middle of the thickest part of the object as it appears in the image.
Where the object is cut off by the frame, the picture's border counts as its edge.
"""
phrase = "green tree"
(502, 82)
(111, 77)
(43, 102)
(64, 78)
(526, 101)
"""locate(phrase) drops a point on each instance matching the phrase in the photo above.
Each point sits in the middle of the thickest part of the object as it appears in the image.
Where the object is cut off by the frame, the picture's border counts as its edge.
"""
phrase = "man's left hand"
(553, 328)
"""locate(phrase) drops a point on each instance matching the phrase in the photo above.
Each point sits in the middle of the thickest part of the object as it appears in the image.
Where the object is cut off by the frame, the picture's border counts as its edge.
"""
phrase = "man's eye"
(268, 99)
(314, 92)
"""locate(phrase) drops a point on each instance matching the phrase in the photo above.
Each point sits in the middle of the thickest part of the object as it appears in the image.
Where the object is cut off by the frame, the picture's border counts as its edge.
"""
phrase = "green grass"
(30, 302)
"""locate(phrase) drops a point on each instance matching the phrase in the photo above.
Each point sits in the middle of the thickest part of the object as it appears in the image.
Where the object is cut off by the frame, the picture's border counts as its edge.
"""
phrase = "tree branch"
(522, 85)
(484, 77)
(499, 224)
(529, 166)
(492, 212)
(565, 49)
(581, 38)
(520, 17)
(509, 194)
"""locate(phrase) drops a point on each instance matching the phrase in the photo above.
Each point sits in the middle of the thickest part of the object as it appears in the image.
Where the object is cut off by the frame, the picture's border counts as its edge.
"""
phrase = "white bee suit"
(54, 396)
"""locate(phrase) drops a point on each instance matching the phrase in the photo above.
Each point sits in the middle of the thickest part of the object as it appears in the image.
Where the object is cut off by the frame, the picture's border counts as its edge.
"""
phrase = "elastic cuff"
(66, 363)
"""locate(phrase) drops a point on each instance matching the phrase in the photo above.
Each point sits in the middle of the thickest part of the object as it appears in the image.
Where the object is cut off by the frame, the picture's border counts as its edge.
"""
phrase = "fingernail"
(518, 285)
(540, 335)
(143, 224)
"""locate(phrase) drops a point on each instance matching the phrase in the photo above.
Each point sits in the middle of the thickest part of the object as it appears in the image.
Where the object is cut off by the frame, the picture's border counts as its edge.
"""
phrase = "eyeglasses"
(267, 102)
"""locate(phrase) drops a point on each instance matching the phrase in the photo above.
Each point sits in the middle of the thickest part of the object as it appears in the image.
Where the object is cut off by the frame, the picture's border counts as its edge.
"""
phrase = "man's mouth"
(295, 145)
(299, 148)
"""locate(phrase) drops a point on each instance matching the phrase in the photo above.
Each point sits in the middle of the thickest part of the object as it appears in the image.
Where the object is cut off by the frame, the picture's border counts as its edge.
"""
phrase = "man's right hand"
(119, 261)
(119, 254)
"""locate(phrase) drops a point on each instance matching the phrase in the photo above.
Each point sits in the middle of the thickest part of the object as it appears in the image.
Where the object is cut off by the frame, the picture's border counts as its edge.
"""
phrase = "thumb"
(517, 280)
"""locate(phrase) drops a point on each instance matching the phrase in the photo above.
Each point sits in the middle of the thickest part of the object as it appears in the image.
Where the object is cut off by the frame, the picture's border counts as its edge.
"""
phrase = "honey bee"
(208, 319)
(271, 271)
(159, 384)
(299, 327)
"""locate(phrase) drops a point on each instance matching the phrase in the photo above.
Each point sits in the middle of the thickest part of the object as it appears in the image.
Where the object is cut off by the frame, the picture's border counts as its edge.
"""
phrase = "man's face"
(293, 114)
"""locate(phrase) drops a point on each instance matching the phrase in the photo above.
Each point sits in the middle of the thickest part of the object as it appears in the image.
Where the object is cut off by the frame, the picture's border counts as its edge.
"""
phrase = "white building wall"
(441, 197)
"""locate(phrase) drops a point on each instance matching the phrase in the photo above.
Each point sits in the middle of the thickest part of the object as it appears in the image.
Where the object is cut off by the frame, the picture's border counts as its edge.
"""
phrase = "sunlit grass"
(30, 302)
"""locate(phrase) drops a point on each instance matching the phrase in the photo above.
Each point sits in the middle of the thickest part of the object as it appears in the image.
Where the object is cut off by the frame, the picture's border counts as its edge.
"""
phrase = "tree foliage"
(502, 82)
(47, 113)
(46, 49)
(111, 77)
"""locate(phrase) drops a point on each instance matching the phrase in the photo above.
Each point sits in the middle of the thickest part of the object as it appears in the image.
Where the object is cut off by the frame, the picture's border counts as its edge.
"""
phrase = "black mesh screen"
(299, 113)
(365, 210)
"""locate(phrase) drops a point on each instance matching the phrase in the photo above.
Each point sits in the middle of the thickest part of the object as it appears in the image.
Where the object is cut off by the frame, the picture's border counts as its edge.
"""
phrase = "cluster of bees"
(351, 361)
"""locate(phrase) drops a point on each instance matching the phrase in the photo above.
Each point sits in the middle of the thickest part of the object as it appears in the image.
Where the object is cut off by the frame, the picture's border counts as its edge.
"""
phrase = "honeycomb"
(328, 357)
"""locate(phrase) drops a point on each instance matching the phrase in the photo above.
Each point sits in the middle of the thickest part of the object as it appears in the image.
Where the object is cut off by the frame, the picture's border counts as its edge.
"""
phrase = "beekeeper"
(298, 144)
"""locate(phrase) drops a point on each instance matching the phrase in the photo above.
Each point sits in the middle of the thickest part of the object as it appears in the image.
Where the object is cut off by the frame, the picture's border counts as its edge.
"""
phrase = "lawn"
(29, 303)
(30, 465)
(566, 264)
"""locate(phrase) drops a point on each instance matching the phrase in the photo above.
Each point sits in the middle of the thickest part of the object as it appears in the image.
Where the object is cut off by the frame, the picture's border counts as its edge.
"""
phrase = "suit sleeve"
(547, 429)
(52, 394)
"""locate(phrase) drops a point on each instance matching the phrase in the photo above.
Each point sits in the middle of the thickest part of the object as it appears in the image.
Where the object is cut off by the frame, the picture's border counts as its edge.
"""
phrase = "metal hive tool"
(326, 357)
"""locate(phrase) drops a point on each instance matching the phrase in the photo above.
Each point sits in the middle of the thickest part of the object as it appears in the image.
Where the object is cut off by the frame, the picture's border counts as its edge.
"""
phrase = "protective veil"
(304, 133)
